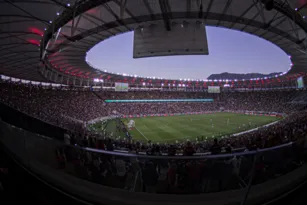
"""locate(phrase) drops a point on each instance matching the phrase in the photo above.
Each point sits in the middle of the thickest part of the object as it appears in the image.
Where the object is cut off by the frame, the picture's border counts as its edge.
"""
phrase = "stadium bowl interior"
(66, 123)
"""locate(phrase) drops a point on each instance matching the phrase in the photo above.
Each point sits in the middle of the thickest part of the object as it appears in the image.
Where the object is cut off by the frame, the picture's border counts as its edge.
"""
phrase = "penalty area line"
(141, 133)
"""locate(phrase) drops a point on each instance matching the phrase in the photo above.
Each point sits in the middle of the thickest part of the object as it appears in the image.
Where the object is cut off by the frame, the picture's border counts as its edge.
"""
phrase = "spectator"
(215, 148)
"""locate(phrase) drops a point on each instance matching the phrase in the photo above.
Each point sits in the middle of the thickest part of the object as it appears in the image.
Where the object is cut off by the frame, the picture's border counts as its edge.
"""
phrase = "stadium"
(80, 134)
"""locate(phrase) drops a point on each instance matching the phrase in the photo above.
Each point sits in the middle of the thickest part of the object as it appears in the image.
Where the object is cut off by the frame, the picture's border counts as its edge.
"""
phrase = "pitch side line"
(141, 133)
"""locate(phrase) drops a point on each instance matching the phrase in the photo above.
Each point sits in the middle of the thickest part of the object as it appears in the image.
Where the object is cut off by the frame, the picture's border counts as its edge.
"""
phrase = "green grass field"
(188, 127)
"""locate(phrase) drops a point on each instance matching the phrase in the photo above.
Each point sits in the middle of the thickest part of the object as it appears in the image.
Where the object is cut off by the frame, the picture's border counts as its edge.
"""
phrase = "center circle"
(229, 51)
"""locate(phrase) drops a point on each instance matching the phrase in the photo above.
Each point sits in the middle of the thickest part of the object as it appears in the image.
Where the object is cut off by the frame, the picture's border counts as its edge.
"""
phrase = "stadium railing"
(242, 172)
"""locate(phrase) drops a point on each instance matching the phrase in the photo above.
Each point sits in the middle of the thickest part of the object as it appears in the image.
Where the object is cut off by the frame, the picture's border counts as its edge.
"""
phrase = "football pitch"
(189, 127)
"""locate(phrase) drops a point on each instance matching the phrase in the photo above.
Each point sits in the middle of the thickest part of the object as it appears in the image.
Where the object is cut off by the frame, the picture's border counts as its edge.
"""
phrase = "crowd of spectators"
(71, 107)
(63, 104)
(292, 128)
(175, 175)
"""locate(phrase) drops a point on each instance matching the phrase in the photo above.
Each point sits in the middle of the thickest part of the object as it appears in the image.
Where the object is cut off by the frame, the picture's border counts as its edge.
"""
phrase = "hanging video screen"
(214, 89)
(121, 87)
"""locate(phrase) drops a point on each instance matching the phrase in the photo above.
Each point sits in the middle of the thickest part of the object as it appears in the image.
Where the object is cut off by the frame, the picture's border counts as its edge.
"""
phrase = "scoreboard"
(214, 89)
(121, 87)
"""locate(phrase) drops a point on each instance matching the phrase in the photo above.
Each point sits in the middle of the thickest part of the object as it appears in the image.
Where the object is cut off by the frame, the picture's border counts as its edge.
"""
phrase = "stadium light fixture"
(68, 4)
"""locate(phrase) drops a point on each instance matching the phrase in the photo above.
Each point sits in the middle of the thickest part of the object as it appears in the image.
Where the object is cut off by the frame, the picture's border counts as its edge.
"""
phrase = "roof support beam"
(243, 14)
(119, 21)
(88, 17)
(123, 8)
(188, 8)
(149, 9)
(165, 12)
(260, 10)
(250, 20)
(75, 25)
(123, 4)
(26, 12)
(20, 60)
(16, 53)
(208, 9)
(224, 11)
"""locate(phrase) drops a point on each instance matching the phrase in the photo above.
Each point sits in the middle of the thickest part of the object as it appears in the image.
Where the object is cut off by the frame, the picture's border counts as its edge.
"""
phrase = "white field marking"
(174, 139)
(247, 131)
(195, 119)
(163, 126)
(150, 132)
(141, 133)
(185, 137)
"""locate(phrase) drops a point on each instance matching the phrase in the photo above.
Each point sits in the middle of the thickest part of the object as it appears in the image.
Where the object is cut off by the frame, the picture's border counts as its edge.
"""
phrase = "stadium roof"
(61, 32)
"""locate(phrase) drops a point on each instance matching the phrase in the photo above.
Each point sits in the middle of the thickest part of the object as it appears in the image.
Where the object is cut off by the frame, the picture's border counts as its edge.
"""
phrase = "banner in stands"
(158, 100)
(260, 113)
(166, 115)
(121, 87)
(214, 89)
